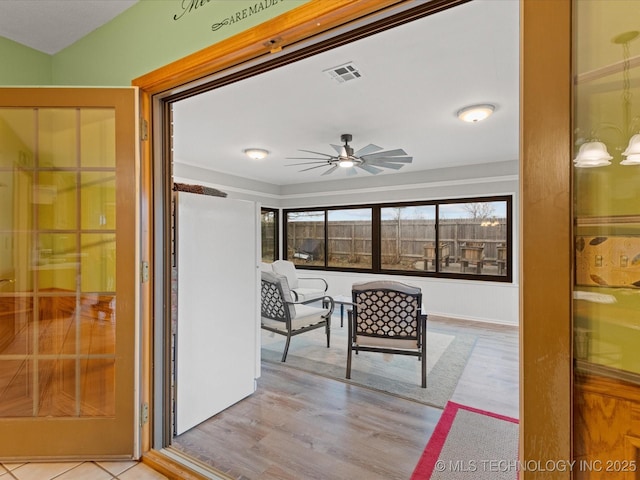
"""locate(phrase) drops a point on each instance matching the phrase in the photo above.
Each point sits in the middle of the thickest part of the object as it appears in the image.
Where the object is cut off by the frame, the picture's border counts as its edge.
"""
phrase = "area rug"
(447, 355)
(470, 444)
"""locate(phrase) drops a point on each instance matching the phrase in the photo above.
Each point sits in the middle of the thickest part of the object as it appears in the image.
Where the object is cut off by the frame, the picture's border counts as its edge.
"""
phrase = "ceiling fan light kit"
(369, 158)
(475, 113)
(256, 153)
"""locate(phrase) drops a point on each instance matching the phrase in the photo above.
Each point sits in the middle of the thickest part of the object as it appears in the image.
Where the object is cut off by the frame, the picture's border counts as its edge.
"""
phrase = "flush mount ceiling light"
(475, 113)
(256, 153)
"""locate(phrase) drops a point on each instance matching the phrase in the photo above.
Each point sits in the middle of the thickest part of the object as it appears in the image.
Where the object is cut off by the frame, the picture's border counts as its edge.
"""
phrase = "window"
(408, 237)
(349, 238)
(474, 235)
(305, 237)
(466, 238)
(269, 229)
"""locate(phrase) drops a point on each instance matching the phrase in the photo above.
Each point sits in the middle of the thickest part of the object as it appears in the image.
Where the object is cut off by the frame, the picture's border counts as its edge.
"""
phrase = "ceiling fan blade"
(317, 153)
(311, 168)
(371, 169)
(389, 159)
(337, 148)
(394, 166)
(330, 170)
(326, 162)
(389, 153)
(366, 150)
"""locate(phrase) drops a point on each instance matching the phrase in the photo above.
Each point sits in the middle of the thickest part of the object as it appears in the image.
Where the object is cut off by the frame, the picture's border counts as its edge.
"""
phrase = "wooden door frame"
(546, 244)
(545, 216)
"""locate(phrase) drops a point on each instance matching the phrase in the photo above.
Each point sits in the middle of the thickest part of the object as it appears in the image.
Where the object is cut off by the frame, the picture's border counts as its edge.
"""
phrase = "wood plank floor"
(302, 426)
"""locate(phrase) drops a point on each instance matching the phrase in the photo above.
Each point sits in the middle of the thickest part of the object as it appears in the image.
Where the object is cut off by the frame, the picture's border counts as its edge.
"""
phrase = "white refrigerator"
(217, 343)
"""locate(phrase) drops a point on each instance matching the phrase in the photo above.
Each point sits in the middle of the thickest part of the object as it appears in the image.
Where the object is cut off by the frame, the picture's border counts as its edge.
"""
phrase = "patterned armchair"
(281, 315)
(387, 317)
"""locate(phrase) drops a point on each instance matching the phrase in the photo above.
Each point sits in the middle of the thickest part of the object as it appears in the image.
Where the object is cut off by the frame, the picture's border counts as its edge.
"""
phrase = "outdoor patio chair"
(472, 253)
(281, 315)
(387, 317)
(303, 289)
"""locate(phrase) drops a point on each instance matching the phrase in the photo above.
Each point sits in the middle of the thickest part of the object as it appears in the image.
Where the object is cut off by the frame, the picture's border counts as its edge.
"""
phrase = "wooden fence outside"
(403, 242)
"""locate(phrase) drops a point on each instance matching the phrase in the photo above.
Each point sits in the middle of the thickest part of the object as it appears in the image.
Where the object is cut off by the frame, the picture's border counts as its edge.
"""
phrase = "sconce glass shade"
(256, 153)
(632, 152)
(592, 154)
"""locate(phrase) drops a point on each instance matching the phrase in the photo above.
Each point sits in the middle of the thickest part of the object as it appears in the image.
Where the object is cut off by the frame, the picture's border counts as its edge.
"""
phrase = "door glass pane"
(606, 295)
(98, 200)
(349, 234)
(57, 262)
(97, 131)
(98, 266)
(55, 199)
(408, 237)
(57, 133)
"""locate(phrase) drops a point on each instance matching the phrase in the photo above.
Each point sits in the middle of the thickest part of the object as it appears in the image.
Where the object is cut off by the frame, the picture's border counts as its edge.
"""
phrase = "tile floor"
(79, 471)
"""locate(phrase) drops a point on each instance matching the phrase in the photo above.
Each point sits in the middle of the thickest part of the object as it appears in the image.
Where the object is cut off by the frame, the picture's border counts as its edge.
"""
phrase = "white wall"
(492, 302)
(495, 302)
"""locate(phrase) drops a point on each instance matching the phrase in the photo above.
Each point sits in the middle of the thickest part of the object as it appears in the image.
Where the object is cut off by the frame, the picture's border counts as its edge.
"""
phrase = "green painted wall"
(146, 37)
(141, 39)
(22, 65)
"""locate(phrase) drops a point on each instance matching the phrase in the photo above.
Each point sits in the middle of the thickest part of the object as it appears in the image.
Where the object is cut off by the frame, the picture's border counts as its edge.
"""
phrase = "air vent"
(344, 73)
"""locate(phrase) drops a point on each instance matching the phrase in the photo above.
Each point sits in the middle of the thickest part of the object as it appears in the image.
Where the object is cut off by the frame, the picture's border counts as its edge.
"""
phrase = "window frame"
(376, 240)
(276, 237)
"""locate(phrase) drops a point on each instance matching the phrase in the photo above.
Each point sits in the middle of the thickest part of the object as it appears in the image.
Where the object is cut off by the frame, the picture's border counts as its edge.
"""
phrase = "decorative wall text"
(188, 6)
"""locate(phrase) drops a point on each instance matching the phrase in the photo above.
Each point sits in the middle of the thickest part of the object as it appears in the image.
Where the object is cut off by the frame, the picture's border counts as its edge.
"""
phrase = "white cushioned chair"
(387, 317)
(282, 315)
(303, 289)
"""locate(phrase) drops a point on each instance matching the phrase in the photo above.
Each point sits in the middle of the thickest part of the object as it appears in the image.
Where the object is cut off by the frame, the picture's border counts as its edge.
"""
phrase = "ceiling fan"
(368, 158)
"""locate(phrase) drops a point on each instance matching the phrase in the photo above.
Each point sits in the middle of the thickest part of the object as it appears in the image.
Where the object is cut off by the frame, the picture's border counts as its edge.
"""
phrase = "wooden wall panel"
(607, 429)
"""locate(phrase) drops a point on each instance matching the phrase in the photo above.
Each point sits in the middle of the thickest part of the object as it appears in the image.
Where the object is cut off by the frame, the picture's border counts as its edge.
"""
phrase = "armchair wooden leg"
(349, 360)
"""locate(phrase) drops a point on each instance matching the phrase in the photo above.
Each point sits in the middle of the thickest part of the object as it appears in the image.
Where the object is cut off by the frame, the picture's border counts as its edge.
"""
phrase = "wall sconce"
(256, 153)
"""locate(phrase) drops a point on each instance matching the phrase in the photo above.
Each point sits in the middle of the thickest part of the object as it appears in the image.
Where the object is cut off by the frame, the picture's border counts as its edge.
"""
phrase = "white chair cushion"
(286, 292)
(266, 267)
(305, 316)
(306, 294)
(387, 285)
(288, 269)
(364, 341)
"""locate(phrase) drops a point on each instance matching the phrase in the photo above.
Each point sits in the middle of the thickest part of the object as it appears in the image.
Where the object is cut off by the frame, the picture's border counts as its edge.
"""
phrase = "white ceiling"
(51, 25)
(414, 79)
